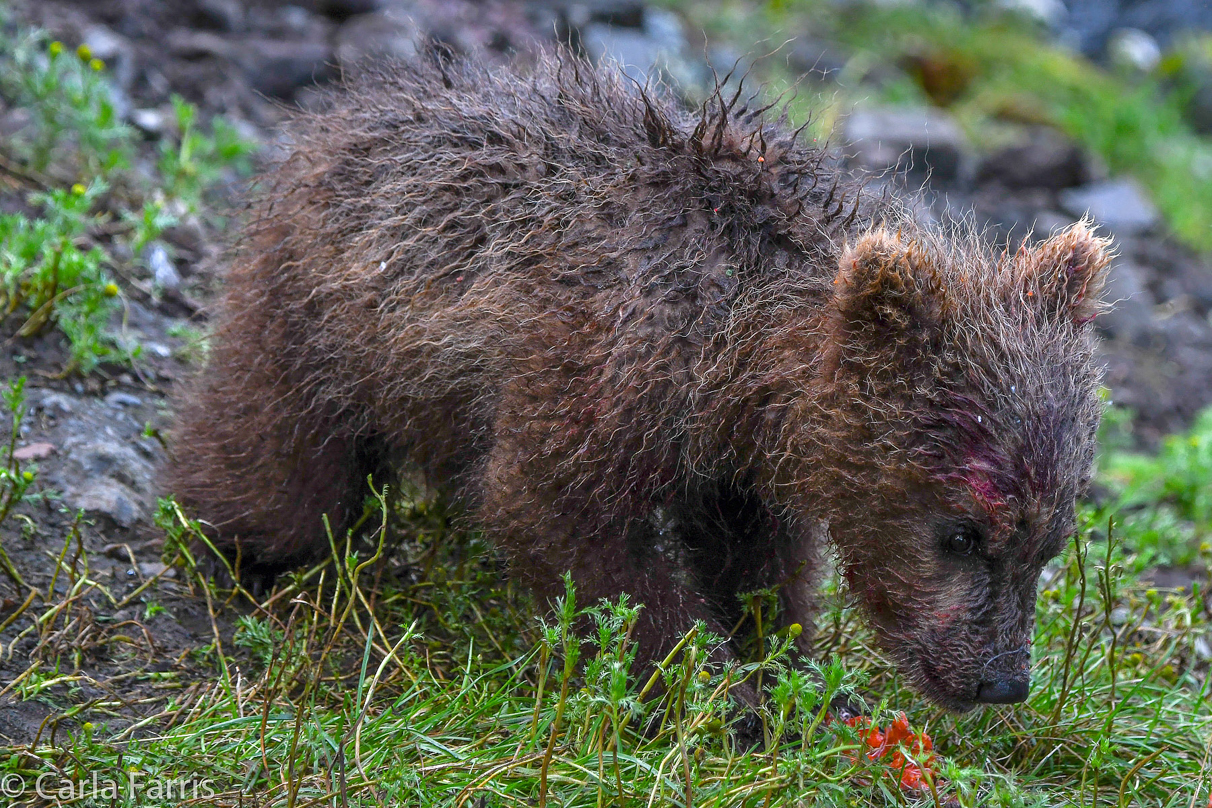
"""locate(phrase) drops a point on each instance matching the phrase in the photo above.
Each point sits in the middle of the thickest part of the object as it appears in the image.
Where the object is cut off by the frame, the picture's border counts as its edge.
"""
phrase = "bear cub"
(672, 352)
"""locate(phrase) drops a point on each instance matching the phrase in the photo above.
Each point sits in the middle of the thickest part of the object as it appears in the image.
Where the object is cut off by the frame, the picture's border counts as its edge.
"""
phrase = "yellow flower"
(96, 65)
(110, 289)
(78, 189)
(56, 48)
(84, 52)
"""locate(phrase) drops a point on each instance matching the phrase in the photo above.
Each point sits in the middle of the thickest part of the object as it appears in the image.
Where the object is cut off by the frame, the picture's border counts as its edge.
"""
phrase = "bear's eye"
(963, 540)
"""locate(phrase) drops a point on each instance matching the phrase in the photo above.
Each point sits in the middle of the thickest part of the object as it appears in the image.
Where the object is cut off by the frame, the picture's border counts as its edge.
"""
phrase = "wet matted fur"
(671, 352)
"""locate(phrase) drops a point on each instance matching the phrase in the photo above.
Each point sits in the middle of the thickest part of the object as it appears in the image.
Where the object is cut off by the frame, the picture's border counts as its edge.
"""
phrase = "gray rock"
(149, 121)
(1131, 314)
(636, 54)
(278, 67)
(150, 569)
(1049, 13)
(14, 121)
(109, 498)
(1044, 159)
(817, 57)
(623, 13)
(1118, 204)
(344, 9)
(52, 402)
(906, 138)
(115, 50)
(120, 399)
(186, 44)
(1133, 51)
(104, 475)
(386, 34)
(222, 15)
(164, 273)
(654, 51)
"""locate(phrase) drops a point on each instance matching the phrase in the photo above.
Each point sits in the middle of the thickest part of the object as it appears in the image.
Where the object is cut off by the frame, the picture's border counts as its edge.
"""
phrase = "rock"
(108, 477)
(1049, 13)
(164, 273)
(120, 399)
(52, 402)
(653, 51)
(819, 58)
(222, 15)
(906, 138)
(1118, 204)
(109, 498)
(1131, 312)
(389, 34)
(117, 551)
(34, 451)
(1133, 51)
(14, 121)
(149, 121)
(623, 13)
(344, 9)
(277, 68)
(1046, 159)
(150, 569)
(186, 44)
(113, 49)
(636, 54)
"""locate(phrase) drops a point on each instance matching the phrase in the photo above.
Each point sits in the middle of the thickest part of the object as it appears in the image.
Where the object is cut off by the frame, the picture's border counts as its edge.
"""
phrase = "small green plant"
(1163, 501)
(198, 159)
(72, 102)
(49, 279)
(53, 265)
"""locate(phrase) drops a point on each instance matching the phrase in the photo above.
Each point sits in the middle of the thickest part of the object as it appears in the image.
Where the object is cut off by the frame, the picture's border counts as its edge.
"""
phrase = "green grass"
(991, 72)
(428, 681)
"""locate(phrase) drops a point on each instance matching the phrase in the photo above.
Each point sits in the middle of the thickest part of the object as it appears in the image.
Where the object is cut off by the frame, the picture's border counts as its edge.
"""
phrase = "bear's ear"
(1064, 275)
(890, 287)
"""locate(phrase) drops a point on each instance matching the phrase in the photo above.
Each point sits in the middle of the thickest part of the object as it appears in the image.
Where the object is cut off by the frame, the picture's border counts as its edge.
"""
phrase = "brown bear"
(669, 351)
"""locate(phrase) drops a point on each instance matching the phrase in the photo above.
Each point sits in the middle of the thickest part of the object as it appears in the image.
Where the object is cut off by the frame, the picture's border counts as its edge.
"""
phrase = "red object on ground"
(889, 746)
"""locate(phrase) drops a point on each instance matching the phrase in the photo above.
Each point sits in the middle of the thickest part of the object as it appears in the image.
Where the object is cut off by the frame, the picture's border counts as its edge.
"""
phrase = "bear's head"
(962, 406)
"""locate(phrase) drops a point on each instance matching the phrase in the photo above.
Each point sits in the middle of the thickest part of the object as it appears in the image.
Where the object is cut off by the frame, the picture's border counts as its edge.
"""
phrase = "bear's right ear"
(889, 288)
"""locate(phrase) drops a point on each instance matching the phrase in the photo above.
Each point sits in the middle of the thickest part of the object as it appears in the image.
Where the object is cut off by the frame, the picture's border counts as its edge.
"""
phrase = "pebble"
(34, 451)
(150, 569)
(164, 273)
(120, 399)
(52, 401)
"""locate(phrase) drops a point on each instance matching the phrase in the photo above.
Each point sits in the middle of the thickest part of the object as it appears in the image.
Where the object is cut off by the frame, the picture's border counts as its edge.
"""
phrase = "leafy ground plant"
(89, 216)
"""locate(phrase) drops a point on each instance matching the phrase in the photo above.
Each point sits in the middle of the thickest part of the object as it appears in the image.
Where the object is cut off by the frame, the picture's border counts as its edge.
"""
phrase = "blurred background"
(1030, 113)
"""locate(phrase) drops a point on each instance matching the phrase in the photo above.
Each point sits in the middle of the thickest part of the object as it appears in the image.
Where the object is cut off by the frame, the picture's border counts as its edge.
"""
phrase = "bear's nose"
(1003, 691)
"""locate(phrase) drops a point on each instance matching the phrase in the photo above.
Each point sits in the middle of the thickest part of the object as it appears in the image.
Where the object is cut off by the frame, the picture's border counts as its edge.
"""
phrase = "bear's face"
(965, 404)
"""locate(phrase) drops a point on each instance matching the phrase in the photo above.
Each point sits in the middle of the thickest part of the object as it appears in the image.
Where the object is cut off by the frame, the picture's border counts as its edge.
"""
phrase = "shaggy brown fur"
(668, 352)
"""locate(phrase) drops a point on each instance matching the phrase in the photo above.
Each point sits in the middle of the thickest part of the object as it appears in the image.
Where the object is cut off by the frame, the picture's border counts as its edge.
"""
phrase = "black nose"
(1003, 691)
